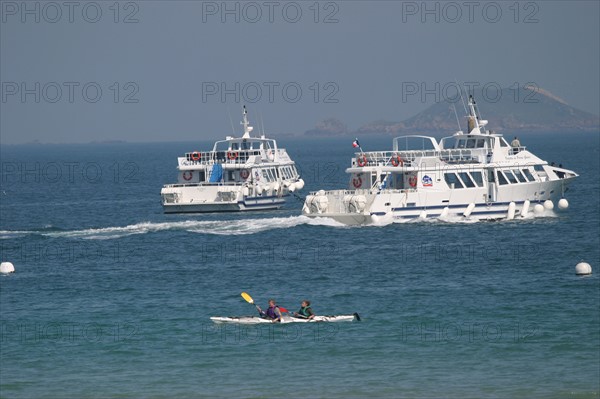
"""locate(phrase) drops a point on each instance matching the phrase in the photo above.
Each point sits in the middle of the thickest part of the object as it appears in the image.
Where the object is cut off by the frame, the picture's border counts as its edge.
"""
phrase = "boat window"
(452, 180)
(521, 178)
(288, 173)
(491, 176)
(398, 181)
(503, 142)
(538, 168)
(510, 176)
(501, 179)
(202, 176)
(471, 143)
(460, 143)
(464, 176)
(528, 174)
(478, 178)
(480, 143)
(265, 175)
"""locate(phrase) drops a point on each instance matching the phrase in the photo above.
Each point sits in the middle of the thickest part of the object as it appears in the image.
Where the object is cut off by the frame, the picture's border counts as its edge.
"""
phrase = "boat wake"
(224, 227)
(216, 227)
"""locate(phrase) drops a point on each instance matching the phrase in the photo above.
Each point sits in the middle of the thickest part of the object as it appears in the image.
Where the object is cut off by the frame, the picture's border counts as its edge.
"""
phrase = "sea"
(111, 298)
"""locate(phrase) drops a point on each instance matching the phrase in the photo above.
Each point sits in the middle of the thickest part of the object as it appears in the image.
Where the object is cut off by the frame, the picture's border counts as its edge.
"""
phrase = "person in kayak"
(306, 311)
(272, 312)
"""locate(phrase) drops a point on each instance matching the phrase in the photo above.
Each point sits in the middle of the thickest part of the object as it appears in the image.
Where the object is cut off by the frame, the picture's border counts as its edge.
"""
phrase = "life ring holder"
(195, 156)
(357, 182)
(231, 155)
(412, 181)
(244, 173)
(396, 160)
(362, 161)
(187, 175)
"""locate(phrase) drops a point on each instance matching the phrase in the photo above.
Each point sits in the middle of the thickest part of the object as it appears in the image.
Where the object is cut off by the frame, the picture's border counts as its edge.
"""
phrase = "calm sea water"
(112, 298)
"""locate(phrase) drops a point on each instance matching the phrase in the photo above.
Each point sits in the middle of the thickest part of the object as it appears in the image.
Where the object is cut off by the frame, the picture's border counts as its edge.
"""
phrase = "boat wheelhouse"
(477, 175)
(238, 174)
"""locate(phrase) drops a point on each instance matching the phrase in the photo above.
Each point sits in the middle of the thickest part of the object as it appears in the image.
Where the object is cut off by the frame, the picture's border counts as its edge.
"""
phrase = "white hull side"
(284, 320)
(206, 199)
(398, 206)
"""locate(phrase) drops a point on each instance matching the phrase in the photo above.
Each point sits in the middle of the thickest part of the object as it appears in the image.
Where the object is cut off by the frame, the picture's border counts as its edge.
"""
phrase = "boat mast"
(246, 124)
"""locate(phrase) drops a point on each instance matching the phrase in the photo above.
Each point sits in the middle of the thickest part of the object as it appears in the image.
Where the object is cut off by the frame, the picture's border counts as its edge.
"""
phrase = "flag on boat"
(355, 144)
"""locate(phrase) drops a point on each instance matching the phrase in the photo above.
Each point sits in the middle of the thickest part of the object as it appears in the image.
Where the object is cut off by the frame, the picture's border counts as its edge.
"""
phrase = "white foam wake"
(217, 227)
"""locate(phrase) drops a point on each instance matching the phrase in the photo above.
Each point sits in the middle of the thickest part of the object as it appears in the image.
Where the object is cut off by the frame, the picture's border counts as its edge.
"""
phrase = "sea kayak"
(284, 319)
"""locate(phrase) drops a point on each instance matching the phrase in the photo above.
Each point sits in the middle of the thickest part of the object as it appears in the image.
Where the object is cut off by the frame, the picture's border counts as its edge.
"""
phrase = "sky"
(147, 71)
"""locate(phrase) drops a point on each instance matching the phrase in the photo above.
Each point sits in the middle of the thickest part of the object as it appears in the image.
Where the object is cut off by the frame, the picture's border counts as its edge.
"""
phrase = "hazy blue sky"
(161, 66)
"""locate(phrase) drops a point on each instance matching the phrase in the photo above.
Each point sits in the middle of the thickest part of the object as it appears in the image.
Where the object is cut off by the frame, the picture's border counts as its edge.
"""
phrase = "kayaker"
(272, 312)
(306, 311)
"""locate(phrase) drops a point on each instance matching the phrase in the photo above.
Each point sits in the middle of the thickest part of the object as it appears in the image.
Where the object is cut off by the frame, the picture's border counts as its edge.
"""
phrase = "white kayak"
(284, 319)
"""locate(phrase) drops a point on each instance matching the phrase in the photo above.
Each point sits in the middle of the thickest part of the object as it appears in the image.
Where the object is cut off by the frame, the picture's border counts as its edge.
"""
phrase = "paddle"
(249, 299)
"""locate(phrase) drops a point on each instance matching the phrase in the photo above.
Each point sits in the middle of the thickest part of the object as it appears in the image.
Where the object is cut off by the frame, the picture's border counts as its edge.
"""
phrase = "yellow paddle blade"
(247, 297)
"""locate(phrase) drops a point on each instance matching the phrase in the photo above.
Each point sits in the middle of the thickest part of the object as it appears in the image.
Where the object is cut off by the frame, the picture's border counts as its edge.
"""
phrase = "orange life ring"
(357, 182)
(187, 175)
(195, 156)
(361, 160)
(396, 160)
(232, 155)
(244, 173)
(412, 181)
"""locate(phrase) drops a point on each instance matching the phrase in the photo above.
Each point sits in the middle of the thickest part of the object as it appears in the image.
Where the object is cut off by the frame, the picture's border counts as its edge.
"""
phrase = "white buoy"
(469, 209)
(300, 184)
(563, 203)
(6, 267)
(292, 187)
(445, 212)
(581, 269)
(548, 205)
(525, 209)
(538, 209)
(511, 211)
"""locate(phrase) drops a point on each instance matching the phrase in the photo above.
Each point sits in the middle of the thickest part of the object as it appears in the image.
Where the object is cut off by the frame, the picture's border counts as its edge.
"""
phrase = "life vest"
(271, 314)
(304, 311)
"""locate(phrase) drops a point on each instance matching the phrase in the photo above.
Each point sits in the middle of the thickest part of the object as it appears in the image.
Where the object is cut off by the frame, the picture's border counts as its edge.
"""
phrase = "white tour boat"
(238, 174)
(476, 175)
(285, 319)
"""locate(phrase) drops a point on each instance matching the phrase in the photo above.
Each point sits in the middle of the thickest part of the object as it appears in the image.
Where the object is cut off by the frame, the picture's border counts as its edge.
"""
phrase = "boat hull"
(212, 207)
(284, 320)
(391, 206)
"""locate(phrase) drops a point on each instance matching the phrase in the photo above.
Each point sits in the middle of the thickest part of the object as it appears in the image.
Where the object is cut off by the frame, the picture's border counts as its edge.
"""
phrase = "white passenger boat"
(285, 319)
(238, 174)
(476, 175)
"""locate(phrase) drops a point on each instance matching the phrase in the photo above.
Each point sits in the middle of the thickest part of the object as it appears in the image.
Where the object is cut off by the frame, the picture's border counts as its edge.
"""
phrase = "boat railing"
(240, 157)
(516, 150)
(407, 158)
(360, 191)
(226, 184)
